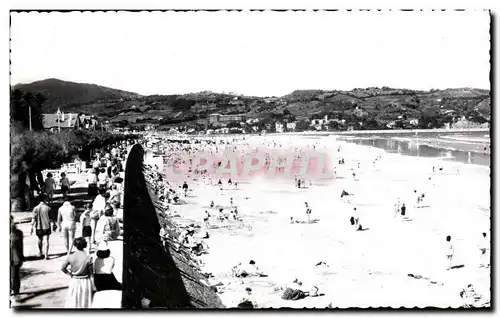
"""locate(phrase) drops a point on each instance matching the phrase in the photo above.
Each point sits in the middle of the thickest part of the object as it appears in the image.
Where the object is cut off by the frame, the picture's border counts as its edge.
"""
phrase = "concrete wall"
(162, 275)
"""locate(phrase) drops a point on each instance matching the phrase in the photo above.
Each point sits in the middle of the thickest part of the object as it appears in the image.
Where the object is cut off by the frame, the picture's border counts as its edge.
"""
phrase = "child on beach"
(85, 222)
(449, 252)
(221, 215)
(206, 219)
(212, 204)
(49, 187)
(308, 212)
(65, 185)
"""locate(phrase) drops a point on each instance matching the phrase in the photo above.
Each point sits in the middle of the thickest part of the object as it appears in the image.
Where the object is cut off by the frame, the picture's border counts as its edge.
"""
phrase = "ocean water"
(471, 148)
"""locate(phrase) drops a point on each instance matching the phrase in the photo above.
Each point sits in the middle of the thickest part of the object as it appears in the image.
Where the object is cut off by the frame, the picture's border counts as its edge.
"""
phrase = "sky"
(253, 53)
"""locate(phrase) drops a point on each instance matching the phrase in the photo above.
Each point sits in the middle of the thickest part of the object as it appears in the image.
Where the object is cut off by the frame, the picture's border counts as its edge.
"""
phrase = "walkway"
(43, 284)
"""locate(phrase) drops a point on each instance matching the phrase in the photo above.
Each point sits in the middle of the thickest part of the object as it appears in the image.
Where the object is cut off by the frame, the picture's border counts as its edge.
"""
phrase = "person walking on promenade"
(108, 227)
(92, 184)
(86, 221)
(42, 225)
(98, 207)
(80, 286)
(16, 260)
(65, 185)
(103, 179)
(66, 220)
(49, 187)
(104, 263)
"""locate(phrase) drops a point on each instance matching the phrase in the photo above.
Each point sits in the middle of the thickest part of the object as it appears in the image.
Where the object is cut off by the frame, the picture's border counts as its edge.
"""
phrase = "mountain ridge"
(383, 104)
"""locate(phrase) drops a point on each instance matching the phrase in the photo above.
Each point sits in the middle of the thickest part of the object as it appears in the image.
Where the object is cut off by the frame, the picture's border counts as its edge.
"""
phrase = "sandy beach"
(395, 262)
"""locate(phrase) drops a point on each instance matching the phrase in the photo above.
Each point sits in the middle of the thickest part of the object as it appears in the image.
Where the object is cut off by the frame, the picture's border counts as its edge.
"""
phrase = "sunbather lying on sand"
(247, 270)
(297, 293)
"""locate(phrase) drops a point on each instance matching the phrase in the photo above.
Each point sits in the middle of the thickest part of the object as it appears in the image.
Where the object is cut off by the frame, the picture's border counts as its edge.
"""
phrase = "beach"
(394, 262)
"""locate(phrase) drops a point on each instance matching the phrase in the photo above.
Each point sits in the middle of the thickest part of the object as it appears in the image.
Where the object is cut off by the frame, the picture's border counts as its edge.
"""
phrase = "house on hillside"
(68, 121)
(414, 122)
(279, 127)
(218, 119)
(291, 126)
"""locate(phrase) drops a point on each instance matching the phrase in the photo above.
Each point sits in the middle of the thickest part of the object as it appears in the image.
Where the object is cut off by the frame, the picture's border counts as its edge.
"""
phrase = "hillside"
(361, 108)
(64, 94)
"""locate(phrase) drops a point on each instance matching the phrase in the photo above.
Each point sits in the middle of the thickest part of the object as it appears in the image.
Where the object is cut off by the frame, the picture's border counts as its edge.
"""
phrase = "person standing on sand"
(42, 224)
(16, 260)
(403, 210)
(185, 188)
(308, 212)
(66, 219)
(80, 286)
(483, 249)
(356, 216)
(206, 219)
(449, 252)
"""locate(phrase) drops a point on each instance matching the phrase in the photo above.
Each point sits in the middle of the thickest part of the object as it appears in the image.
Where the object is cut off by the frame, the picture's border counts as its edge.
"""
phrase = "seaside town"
(183, 192)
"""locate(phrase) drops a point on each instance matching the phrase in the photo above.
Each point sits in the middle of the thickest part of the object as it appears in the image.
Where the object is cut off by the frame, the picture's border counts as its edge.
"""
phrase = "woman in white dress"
(80, 286)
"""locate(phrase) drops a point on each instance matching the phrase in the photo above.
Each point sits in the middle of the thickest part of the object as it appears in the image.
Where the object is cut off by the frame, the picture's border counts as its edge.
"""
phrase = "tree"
(233, 124)
(302, 125)
(20, 105)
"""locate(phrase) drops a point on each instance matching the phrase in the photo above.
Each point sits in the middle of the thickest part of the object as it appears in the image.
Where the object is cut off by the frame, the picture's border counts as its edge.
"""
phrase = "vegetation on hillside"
(360, 108)
(32, 151)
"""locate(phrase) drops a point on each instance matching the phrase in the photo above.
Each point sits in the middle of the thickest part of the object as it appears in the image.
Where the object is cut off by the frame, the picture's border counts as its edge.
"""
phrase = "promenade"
(43, 284)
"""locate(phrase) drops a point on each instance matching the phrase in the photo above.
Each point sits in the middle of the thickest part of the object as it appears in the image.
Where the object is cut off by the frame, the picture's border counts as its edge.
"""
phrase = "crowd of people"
(86, 233)
(99, 220)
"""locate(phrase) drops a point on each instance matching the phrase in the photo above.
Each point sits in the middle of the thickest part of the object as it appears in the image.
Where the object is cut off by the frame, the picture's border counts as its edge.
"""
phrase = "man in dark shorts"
(42, 225)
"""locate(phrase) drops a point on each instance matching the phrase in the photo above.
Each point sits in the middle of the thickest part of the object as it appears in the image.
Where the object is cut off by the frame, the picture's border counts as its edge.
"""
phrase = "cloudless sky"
(253, 53)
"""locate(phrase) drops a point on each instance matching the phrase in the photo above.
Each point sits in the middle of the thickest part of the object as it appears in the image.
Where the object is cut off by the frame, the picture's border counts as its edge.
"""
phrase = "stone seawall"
(155, 276)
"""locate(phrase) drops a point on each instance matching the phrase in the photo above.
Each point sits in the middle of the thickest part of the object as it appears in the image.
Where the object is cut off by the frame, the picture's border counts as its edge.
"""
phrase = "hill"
(360, 108)
(66, 94)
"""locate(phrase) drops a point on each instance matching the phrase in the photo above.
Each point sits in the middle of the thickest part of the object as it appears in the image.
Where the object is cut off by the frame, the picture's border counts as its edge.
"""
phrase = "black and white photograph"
(250, 159)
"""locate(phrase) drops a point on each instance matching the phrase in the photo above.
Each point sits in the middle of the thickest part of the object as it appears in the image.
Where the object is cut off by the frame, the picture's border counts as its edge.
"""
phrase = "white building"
(279, 127)
(291, 126)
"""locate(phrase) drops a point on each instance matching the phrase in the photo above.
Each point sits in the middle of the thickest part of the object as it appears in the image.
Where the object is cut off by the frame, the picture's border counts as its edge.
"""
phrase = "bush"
(48, 150)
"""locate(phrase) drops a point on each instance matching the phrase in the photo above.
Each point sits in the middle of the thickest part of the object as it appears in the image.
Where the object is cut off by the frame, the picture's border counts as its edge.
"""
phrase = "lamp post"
(29, 111)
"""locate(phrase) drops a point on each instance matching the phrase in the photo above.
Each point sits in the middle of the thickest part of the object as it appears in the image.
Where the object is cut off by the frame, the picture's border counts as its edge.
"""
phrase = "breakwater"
(155, 275)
